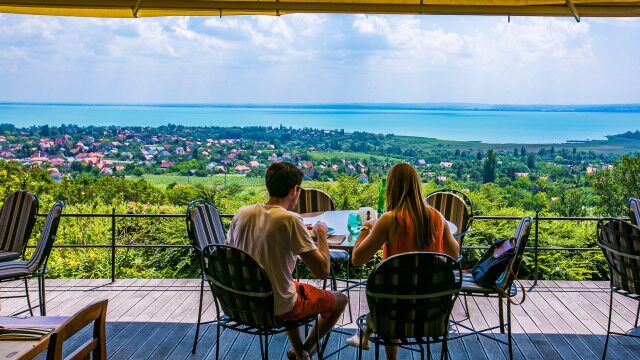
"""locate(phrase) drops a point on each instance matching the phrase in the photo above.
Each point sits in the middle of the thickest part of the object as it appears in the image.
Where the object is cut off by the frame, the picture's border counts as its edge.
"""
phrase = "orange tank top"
(404, 240)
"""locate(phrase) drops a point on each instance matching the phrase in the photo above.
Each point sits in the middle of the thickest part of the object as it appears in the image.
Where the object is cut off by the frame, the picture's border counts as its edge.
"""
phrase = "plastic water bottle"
(382, 197)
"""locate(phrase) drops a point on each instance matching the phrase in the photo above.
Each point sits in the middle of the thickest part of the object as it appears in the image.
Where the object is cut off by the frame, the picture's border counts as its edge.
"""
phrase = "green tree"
(489, 167)
(615, 186)
(531, 161)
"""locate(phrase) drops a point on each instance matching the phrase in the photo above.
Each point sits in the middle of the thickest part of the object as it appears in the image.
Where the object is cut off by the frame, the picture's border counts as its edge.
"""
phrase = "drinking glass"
(354, 224)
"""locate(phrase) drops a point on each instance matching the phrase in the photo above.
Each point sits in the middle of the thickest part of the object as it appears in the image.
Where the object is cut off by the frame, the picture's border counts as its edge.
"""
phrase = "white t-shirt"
(274, 237)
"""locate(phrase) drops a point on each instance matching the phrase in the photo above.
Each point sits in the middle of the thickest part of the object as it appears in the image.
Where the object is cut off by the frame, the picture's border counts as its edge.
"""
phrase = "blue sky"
(317, 58)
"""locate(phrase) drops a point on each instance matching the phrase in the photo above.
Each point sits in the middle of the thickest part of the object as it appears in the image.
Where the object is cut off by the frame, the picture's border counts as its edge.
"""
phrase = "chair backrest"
(241, 286)
(47, 237)
(95, 313)
(17, 218)
(620, 243)
(455, 207)
(411, 295)
(314, 200)
(204, 225)
(521, 237)
(634, 211)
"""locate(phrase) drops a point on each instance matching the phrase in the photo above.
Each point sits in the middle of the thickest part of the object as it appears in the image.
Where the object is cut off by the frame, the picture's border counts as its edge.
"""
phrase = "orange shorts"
(310, 300)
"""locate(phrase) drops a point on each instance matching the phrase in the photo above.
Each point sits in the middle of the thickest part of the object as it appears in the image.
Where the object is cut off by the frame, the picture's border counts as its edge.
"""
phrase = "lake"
(529, 124)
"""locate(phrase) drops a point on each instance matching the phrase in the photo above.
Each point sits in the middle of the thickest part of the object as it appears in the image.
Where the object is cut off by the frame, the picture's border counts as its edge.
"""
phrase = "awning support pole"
(136, 8)
(573, 10)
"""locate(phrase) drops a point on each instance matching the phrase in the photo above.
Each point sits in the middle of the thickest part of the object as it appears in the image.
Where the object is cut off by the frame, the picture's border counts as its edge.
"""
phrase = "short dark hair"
(281, 178)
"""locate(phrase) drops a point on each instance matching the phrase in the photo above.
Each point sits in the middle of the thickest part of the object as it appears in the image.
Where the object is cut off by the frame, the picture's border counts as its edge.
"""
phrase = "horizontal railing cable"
(114, 216)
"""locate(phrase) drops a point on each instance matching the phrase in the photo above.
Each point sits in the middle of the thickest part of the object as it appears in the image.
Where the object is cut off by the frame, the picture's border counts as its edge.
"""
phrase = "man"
(275, 236)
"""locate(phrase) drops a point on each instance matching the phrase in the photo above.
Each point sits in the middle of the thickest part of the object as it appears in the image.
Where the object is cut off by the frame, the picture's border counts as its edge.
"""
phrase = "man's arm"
(318, 260)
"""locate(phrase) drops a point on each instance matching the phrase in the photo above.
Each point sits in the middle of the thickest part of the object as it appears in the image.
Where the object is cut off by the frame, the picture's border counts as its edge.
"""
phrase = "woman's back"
(404, 239)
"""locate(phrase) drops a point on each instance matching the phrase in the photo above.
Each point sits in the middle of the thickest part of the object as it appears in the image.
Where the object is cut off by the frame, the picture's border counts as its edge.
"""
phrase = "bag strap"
(509, 298)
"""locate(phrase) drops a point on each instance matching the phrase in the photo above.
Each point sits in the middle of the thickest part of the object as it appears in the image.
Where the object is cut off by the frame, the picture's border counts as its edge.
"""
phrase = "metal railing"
(113, 246)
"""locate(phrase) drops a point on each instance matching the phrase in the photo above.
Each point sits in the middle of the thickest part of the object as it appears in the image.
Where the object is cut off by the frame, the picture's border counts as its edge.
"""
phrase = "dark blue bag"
(494, 262)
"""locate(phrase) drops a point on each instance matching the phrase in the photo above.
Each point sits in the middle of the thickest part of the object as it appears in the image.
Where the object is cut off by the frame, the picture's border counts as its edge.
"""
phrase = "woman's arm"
(450, 245)
(370, 241)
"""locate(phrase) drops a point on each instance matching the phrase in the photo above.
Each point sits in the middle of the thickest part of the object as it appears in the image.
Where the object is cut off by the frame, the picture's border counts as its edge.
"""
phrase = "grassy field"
(164, 180)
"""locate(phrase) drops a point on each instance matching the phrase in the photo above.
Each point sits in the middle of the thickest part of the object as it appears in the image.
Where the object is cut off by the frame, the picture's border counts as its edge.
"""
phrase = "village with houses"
(323, 155)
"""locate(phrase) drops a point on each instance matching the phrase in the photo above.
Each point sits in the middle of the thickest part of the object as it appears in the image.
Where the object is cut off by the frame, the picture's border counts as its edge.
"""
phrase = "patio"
(155, 319)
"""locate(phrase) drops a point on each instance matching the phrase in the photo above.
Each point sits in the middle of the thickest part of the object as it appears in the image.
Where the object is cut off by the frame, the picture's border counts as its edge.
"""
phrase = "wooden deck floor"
(155, 319)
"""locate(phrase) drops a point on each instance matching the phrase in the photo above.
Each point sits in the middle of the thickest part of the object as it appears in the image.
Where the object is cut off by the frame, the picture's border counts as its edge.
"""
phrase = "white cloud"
(414, 43)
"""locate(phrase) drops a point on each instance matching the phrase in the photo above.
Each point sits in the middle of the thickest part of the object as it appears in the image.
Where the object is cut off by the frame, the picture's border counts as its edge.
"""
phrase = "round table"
(341, 239)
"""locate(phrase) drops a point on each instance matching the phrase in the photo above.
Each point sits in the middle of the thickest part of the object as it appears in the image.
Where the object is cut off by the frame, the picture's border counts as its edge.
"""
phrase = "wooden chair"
(243, 291)
(634, 211)
(456, 207)
(17, 219)
(503, 289)
(36, 266)
(204, 227)
(410, 298)
(620, 244)
(94, 348)
(314, 200)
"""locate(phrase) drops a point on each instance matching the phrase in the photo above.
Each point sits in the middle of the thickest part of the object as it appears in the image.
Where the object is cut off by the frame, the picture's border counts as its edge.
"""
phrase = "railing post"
(535, 251)
(113, 245)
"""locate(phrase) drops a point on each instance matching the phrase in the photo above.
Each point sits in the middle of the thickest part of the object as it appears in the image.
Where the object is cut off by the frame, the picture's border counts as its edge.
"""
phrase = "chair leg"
(26, 290)
(637, 314)
(218, 341)
(421, 351)
(349, 293)
(466, 306)
(266, 346)
(42, 298)
(510, 338)
(428, 349)
(501, 314)
(377, 351)
(606, 341)
(444, 355)
(195, 338)
(360, 349)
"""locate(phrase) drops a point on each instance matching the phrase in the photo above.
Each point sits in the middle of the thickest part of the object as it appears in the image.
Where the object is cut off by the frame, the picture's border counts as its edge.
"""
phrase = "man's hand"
(320, 230)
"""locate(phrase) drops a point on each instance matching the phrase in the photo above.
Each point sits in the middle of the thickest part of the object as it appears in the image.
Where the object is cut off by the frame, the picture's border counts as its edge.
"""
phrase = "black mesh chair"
(620, 244)
(244, 294)
(204, 228)
(410, 298)
(36, 266)
(503, 289)
(634, 211)
(314, 200)
(17, 218)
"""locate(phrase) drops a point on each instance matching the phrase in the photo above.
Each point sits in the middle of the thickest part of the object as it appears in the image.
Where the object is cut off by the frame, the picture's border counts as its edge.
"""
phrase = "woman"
(408, 225)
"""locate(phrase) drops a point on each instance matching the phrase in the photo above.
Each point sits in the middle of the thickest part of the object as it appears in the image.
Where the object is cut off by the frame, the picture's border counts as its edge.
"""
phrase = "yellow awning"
(149, 8)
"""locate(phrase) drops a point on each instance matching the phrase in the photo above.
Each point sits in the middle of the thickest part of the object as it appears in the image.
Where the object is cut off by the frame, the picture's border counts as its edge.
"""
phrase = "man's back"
(274, 237)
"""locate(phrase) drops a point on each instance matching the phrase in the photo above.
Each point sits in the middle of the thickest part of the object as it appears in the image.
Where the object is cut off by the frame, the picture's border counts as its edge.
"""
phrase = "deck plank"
(155, 319)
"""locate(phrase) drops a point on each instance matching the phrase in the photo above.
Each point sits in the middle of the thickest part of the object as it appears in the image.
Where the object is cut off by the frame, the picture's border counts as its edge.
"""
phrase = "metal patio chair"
(457, 208)
(504, 288)
(244, 294)
(620, 244)
(36, 266)
(17, 219)
(634, 211)
(95, 348)
(410, 298)
(314, 200)
(204, 228)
